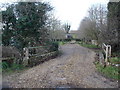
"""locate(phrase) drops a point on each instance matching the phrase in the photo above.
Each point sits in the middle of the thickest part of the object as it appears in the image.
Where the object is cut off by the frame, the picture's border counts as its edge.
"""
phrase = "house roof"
(74, 31)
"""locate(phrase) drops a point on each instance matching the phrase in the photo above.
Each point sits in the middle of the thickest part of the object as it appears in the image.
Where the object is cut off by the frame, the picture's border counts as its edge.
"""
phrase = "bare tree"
(56, 29)
(94, 25)
(98, 14)
(88, 29)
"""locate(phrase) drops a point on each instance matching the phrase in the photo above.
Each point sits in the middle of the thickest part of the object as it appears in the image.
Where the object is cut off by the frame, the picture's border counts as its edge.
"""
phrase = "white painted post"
(106, 59)
(109, 51)
(102, 46)
(27, 53)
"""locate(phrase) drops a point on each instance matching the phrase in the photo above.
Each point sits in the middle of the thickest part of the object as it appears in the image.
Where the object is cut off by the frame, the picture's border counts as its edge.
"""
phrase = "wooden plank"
(36, 47)
(7, 58)
(42, 54)
(106, 60)
(110, 52)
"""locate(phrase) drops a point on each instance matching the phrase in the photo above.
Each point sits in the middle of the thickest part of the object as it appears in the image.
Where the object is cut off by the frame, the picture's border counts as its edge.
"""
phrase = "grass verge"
(91, 46)
(109, 71)
(62, 42)
(115, 60)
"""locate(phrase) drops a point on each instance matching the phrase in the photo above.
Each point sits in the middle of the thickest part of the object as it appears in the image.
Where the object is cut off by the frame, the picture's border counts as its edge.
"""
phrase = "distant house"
(74, 34)
(69, 36)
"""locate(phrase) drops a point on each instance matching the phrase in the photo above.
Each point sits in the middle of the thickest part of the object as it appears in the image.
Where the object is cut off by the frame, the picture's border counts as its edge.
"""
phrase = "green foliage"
(109, 71)
(78, 40)
(25, 24)
(61, 43)
(88, 45)
(115, 60)
(113, 32)
(8, 18)
(54, 46)
(116, 54)
(7, 67)
(4, 65)
(16, 66)
(67, 40)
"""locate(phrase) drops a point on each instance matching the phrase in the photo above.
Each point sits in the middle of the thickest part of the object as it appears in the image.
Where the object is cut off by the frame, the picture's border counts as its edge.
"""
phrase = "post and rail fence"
(107, 50)
(40, 54)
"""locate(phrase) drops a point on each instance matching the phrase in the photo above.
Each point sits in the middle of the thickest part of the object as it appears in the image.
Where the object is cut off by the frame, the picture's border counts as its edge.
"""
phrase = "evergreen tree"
(113, 32)
(25, 22)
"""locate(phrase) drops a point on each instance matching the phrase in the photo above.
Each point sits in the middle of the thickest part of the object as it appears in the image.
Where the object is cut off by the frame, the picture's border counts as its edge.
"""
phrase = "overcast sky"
(72, 11)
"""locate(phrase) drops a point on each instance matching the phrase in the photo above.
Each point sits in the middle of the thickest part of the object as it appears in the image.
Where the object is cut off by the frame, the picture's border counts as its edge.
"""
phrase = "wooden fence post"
(106, 59)
(26, 56)
(109, 50)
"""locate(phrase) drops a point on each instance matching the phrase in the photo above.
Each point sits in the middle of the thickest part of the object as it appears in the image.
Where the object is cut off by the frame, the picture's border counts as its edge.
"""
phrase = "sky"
(73, 11)
(70, 11)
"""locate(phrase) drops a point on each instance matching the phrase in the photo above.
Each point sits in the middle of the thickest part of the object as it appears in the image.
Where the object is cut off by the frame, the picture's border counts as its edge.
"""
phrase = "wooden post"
(26, 56)
(106, 59)
(109, 50)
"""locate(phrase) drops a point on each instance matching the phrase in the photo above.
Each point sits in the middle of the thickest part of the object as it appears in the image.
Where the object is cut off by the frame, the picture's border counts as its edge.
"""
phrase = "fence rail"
(27, 53)
(28, 56)
(7, 58)
(36, 47)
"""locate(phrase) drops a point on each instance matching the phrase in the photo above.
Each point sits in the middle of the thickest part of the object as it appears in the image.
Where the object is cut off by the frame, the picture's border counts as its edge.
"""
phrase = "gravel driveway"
(74, 68)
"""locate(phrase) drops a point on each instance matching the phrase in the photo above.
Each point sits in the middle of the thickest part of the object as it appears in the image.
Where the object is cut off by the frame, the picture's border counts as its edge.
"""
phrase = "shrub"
(16, 66)
(78, 39)
(54, 46)
(4, 65)
(61, 43)
(67, 40)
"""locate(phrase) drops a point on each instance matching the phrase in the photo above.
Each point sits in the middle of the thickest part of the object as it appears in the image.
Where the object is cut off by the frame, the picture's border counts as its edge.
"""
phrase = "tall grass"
(6, 67)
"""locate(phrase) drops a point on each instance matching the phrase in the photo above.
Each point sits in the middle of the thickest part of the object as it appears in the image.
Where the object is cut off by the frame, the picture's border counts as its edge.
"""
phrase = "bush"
(78, 39)
(4, 65)
(54, 46)
(67, 40)
(61, 43)
(16, 66)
